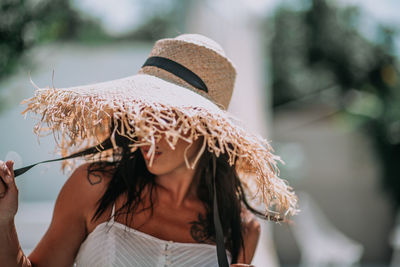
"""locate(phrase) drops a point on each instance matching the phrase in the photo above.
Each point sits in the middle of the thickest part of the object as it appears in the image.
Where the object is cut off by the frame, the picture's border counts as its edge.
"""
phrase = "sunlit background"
(318, 78)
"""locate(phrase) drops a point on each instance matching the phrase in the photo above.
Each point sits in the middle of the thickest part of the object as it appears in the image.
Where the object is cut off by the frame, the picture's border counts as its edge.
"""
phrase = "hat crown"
(201, 40)
(202, 56)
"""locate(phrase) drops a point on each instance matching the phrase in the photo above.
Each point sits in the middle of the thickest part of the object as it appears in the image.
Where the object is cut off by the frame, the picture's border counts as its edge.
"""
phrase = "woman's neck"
(178, 185)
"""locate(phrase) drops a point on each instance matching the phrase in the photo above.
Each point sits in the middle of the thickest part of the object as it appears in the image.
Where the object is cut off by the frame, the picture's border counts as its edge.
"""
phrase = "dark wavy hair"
(130, 176)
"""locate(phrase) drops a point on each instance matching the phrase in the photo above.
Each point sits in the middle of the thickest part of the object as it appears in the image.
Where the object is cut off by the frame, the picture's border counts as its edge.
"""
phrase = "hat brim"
(149, 106)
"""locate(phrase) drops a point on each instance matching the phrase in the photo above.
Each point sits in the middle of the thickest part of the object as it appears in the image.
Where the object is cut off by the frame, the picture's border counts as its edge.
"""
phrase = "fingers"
(3, 188)
(10, 166)
(7, 176)
(10, 180)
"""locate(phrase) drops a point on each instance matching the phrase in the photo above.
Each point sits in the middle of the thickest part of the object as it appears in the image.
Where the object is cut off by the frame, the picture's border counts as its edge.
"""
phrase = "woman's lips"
(156, 154)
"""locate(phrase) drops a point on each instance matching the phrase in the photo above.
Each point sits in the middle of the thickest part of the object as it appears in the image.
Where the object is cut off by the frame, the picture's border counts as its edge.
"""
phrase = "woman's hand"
(8, 192)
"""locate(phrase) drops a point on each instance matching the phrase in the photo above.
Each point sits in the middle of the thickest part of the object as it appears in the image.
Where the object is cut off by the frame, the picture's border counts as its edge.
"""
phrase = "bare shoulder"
(68, 228)
(251, 235)
(86, 179)
(250, 223)
(85, 186)
(92, 178)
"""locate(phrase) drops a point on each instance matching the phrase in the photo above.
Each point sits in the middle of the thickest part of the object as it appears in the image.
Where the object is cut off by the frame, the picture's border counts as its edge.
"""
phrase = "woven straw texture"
(155, 103)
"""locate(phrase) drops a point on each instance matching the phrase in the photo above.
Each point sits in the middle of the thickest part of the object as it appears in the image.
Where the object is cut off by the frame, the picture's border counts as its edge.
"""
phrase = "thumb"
(10, 166)
(9, 179)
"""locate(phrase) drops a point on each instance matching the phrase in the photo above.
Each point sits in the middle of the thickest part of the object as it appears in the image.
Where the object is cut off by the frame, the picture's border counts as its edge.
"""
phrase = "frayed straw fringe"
(79, 121)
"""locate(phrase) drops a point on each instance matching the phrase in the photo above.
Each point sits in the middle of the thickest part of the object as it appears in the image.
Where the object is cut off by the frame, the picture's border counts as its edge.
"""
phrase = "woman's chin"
(155, 168)
(154, 171)
(160, 167)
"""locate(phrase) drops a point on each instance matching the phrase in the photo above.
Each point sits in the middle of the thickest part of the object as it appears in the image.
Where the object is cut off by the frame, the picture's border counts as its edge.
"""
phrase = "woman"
(166, 186)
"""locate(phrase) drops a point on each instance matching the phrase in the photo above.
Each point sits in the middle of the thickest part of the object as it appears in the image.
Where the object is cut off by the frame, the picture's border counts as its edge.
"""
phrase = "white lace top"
(117, 245)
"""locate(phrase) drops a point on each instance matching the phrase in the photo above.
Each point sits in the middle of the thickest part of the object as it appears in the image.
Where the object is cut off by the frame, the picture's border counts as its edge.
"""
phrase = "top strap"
(112, 213)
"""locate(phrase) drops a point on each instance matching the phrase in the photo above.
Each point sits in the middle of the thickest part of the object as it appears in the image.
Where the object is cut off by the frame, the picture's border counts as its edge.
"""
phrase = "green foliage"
(321, 48)
(26, 23)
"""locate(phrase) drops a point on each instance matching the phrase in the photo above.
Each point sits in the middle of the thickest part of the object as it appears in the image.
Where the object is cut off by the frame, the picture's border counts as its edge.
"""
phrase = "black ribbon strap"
(103, 146)
(219, 234)
(178, 70)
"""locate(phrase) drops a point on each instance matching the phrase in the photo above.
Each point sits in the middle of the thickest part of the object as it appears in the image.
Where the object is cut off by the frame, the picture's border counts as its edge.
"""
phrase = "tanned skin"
(78, 199)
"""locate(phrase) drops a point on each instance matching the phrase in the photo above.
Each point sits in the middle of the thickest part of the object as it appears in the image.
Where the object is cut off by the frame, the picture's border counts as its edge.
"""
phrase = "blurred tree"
(26, 23)
(320, 49)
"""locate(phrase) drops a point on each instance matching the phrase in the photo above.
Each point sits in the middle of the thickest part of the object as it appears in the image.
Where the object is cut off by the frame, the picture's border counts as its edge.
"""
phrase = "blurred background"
(318, 78)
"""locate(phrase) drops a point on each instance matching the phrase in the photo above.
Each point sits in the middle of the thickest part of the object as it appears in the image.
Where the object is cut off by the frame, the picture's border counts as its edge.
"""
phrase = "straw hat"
(182, 91)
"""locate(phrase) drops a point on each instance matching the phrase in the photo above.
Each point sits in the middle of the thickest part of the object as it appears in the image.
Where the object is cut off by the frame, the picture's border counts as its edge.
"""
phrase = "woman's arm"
(67, 229)
(10, 253)
(251, 234)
